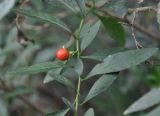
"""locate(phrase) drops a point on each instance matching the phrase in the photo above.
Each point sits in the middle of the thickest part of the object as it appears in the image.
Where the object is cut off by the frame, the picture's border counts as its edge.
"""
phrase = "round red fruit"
(62, 54)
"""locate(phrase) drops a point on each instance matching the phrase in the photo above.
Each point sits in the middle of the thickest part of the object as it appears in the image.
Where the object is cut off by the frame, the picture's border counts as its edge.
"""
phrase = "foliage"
(102, 59)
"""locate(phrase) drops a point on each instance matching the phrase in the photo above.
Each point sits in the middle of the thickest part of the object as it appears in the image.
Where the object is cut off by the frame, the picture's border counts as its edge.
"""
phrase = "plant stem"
(77, 41)
(79, 79)
(78, 48)
(77, 96)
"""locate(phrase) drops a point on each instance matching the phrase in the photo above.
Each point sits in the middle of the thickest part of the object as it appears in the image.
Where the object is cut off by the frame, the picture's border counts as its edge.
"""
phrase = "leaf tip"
(125, 112)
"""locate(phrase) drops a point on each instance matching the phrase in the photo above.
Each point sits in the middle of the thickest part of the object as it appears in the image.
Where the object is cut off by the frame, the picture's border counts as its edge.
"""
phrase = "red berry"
(62, 54)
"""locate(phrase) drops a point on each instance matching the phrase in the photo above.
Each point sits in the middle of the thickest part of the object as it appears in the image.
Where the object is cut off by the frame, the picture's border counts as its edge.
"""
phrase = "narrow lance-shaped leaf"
(43, 17)
(37, 68)
(88, 34)
(3, 108)
(52, 76)
(122, 60)
(68, 103)
(17, 92)
(71, 4)
(89, 112)
(100, 86)
(114, 29)
(100, 55)
(79, 66)
(5, 7)
(81, 5)
(116, 4)
(148, 100)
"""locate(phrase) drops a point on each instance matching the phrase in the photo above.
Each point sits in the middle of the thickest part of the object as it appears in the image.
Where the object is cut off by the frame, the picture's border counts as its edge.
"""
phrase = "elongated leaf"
(122, 60)
(88, 34)
(52, 76)
(5, 7)
(100, 55)
(114, 29)
(85, 30)
(58, 113)
(68, 103)
(90, 112)
(37, 68)
(71, 4)
(79, 66)
(154, 112)
(116, 4)
(48, 78)
(148, 100)
(81, 4)
(100, 86)
(69, 72)
(43, 17)
(17, 92)
(3, 108)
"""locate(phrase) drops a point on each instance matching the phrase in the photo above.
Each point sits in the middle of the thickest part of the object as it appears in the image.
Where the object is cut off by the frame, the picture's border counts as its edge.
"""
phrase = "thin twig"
(138, 45)
(142, 9)
(127, 21)
(134, 12)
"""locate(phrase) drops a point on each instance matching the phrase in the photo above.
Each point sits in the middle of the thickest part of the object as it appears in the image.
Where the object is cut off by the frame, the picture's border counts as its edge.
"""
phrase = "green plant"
(109, 62)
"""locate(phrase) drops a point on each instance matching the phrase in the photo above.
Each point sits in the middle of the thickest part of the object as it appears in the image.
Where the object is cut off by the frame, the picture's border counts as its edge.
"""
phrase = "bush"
(57, 57)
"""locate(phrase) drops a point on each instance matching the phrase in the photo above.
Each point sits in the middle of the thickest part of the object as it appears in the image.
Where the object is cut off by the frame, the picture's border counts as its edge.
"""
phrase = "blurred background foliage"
(130, 85)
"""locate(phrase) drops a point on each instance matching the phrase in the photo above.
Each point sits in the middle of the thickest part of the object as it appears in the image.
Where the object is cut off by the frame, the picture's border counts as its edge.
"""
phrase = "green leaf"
(5, 7)
(122, 60)
(89, 112)
(71, 4)
(52, 76)
(116, 4)
(3, 108)
(48, 78)
(81, 5)
(68, 103)
(101, 54)
(79, 66)
(58, 113)
(100, 86)
(43, 17)
(85, 30)
(88, 34)
(148, 100)
(69, 72)
(17, 92)
(114, 29)
(37, 68)
(154, 112)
